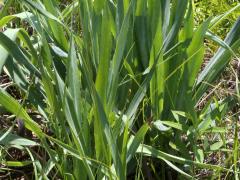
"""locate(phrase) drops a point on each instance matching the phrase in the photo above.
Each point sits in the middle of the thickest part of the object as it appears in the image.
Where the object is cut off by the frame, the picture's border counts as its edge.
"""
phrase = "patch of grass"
(117, 85)
(205, 9)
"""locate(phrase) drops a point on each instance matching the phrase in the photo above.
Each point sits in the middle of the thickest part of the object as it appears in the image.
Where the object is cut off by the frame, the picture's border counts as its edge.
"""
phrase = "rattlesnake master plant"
(117, 82)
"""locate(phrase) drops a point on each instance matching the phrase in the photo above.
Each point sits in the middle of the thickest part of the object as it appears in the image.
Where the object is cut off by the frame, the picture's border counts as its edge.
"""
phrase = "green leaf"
(13, 49)
(137, 139)
(199, 155)
(40, 9)
(12, 139)
(14, 107)
(17, 163)
(22, 16)
(118, 55)
(176, 168)
(153, 152)
(216, 146)
(98, 5)
(159, 125)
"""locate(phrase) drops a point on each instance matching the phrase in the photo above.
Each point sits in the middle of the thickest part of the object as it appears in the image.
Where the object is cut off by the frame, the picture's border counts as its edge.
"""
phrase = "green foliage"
(118, 83)
(205, 9)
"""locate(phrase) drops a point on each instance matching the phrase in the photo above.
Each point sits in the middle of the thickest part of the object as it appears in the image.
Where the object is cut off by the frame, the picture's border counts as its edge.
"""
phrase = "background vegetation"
(205, 9)
(121, 89)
